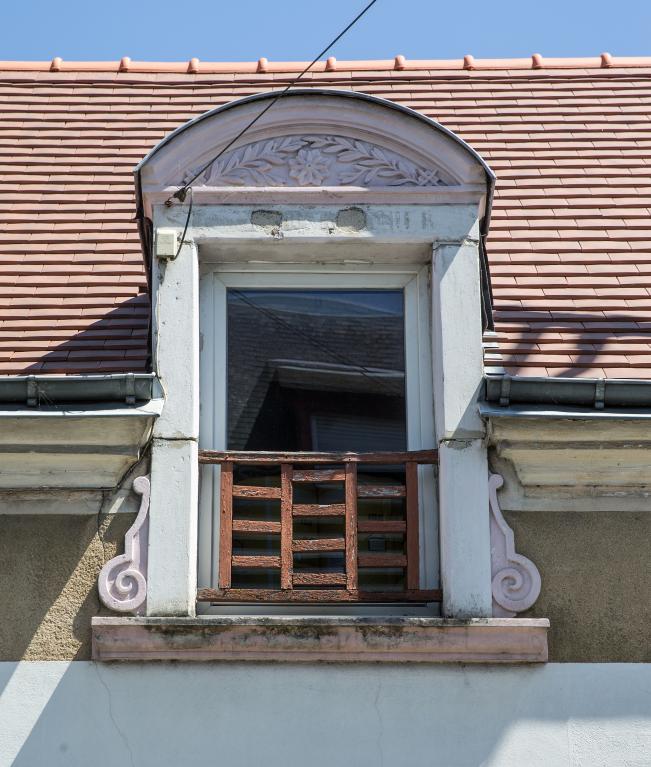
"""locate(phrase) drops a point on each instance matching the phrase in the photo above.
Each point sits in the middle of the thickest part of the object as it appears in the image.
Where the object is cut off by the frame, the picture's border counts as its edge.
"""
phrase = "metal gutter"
(487, 410)
(596, 394)
(47, 391)
(151, 409)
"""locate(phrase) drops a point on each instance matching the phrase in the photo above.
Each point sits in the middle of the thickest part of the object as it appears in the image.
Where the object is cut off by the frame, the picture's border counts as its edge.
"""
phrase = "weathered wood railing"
(320, 469)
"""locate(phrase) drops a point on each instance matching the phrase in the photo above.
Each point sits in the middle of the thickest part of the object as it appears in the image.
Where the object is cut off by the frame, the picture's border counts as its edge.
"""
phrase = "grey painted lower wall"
(163, 715)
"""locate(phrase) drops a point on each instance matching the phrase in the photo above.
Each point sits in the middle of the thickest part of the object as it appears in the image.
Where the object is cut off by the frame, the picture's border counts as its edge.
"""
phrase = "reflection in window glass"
(316, 370)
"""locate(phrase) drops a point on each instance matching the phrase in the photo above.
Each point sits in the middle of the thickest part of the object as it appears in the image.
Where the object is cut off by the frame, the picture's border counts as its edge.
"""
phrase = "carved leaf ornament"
(316, 161)
(122, 582)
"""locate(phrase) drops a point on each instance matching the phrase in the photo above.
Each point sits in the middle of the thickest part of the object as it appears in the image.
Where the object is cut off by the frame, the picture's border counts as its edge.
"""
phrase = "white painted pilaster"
(463, 470)
(175, 335)
(172, 568)
(457, 340)
(464, 529)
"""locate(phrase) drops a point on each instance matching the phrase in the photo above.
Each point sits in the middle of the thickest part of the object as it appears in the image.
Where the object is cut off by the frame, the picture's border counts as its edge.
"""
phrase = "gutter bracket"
(130, 389)
(32, 392)
(599, 394)
(505, 391)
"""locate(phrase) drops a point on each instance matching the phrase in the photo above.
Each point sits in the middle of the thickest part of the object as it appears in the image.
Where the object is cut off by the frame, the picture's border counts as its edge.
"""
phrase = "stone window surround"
(456, 324)
(441, 222)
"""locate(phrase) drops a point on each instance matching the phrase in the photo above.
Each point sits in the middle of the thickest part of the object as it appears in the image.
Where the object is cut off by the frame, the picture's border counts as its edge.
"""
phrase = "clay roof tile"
(569, 249)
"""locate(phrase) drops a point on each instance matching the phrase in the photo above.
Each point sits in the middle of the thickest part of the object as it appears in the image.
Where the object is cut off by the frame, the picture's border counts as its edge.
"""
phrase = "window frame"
(215, 280)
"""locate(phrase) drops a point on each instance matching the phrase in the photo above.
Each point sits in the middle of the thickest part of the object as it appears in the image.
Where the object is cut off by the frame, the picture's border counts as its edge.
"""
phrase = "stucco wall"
(596, 581)
(49, 565)
(596, 578)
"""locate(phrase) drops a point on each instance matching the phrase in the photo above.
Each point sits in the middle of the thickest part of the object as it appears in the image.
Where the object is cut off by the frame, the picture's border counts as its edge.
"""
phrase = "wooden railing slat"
(253, 491)
(319, 510)
(255, 561)
(319, 579)
(412, 535)
(286, 526)
(350, 491)
(225, 525)
(319, 544)
(319, 475)
(261, 458)
(254, 526)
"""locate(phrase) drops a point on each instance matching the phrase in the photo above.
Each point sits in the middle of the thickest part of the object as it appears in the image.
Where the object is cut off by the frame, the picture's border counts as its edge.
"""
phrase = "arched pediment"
(313, 139)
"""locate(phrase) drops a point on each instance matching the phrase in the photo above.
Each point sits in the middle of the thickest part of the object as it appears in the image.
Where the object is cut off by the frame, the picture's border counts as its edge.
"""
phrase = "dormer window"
(341, 234)
(317, 335)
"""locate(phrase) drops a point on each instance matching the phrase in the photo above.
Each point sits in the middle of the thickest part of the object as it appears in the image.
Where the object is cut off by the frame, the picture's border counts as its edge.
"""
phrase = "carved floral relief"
(316, 161)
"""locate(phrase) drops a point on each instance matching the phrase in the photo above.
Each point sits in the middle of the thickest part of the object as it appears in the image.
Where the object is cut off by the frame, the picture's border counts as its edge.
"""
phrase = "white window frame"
(415, 281)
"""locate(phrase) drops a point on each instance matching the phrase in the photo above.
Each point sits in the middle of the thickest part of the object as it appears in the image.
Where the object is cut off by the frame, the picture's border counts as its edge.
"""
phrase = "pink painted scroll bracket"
(122, 581)
(515, 579)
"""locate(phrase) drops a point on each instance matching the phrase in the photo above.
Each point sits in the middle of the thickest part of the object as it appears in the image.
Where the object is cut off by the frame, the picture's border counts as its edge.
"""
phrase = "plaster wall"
(52, 547)
(596, 581)
(154, 715)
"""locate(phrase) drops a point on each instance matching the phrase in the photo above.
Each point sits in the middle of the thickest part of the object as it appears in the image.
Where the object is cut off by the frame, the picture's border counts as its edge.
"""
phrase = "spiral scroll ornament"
(122, 581)
(515, 579)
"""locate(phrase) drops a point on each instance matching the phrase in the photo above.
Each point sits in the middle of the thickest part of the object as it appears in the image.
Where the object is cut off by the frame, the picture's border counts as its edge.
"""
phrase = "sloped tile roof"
(570, 240)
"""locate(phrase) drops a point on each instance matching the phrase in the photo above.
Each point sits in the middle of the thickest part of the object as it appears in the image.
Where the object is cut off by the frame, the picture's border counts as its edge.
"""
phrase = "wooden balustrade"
(319, 585)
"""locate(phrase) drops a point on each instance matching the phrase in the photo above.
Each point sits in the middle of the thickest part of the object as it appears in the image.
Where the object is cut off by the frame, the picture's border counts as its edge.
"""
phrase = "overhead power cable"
(182, 192)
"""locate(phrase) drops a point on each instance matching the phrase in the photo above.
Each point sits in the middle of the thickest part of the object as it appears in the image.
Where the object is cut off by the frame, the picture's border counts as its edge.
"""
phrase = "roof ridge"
(264, 66)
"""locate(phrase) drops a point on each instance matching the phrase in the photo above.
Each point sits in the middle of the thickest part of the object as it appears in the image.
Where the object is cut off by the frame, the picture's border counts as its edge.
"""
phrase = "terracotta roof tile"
(569, 247)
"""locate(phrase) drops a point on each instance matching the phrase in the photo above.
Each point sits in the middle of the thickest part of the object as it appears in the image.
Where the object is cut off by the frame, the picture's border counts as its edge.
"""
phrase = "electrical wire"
(187, 223)
(182, 192)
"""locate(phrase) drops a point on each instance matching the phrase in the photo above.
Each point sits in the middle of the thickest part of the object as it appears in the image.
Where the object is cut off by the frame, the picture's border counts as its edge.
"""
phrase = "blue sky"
(240, 30)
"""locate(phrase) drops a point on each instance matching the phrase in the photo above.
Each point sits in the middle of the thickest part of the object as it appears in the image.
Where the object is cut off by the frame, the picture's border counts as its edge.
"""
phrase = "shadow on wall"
(50, 564)
(80, 714)
(117, 342)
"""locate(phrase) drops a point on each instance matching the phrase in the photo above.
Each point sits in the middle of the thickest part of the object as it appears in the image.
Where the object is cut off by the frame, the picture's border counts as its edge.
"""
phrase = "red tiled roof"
(570, 240)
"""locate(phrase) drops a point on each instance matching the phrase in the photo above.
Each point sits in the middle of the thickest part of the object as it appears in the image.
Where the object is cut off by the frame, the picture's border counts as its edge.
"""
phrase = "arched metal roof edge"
(317, 92)
(386, 103)
(486, 291)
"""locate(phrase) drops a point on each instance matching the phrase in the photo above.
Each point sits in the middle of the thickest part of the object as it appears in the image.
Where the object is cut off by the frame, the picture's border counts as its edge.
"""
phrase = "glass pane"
(316, 370)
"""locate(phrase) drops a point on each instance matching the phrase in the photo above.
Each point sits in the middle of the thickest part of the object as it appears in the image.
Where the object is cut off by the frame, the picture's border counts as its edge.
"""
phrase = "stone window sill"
(333, 639)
